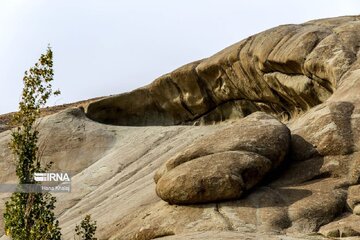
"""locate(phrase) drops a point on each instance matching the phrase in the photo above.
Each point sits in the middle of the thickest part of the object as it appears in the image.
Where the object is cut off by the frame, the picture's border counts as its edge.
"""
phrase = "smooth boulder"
(224, 165)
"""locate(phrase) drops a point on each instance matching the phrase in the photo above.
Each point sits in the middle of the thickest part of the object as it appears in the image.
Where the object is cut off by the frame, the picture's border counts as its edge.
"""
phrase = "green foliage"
(30, 215)
(86, 230)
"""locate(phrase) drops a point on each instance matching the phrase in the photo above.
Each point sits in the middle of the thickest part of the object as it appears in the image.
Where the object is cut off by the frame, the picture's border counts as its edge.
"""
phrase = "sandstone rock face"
(346, 226)
(282, 71)
(353, 199)
(229, 175)
(238, 157)
(300, 179)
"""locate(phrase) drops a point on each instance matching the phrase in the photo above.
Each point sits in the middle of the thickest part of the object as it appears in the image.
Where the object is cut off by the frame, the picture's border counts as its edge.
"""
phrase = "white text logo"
(51, 177)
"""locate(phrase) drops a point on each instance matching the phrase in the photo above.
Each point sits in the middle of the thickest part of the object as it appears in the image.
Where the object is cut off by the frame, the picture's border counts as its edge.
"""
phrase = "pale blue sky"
(107, 47)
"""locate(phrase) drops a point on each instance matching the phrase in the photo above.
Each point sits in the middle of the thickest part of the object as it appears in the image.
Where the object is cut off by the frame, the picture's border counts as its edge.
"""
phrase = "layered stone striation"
(281, 71)
(226, 164)
(249, 177)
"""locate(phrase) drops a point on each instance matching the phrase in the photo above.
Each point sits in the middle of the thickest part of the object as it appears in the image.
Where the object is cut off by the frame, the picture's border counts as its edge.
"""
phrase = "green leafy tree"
(86, 230)
(30, 215)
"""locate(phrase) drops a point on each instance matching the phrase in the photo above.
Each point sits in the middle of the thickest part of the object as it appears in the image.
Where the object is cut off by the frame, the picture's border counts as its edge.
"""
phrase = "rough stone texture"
(283, 71)
(258, 133)
(353, 199)
(345, 226)
(213, 235)
(306, 75)
(183, 179)
(228, 176)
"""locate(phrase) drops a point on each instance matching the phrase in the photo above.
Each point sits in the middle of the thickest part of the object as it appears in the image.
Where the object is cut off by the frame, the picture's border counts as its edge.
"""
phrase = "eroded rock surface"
(226, 164)
(306, 75)
(345, 226)
(282, 71)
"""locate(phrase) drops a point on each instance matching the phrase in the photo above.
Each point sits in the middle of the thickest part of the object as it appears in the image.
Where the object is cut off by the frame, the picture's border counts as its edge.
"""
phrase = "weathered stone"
(347, 225)
(258, 133)
(184, 179)
(228, 176)
(356, 209)
(305, 75)
(353, 199)
(310, 213)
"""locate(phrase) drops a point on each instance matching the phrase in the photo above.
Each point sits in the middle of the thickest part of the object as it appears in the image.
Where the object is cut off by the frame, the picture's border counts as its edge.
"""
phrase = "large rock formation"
(251, 177)
(225, 164)
(282, 71)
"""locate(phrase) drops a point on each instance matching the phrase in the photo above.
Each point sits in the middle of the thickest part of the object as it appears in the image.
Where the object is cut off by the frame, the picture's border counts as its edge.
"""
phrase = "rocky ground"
(259, 141)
